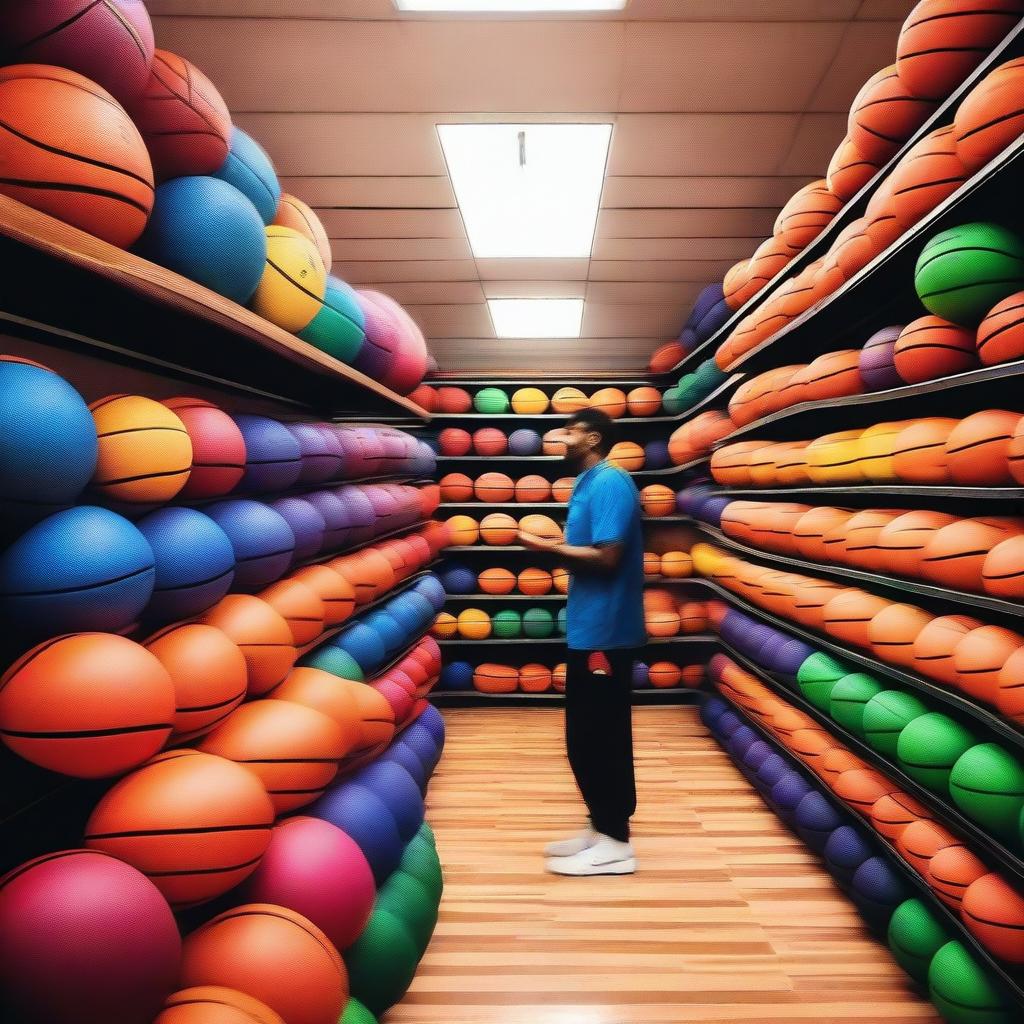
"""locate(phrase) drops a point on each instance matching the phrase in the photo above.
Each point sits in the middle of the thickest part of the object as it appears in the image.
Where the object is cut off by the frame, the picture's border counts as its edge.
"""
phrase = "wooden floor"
(729, 918)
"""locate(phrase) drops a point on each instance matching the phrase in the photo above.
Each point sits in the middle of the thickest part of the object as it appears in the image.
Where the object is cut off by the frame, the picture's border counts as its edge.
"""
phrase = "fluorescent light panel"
(536, 318)
(545, 208)
(510, 6)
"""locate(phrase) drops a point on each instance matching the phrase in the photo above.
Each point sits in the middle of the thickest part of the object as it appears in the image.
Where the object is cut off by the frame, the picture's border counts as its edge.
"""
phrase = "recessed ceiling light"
(527, 190)
(510, 6)
(536, 318)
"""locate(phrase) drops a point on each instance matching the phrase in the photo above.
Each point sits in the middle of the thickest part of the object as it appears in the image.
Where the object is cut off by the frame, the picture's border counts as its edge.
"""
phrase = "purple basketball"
(272, 455)
(787, 793)
(351, 451)
(385, 508)
(423, 460)
(708, 296)
(773, 768)
(878, 890)
(319, 451)
(307, 524)
(847, 848)
(711, 709)
(395, 450)
(373, 451)
(337, 521)
(877, 362)
(688, 339)
(740, 740)
(756, 754)
(691, 497)
(524, 442)
(641, 676)
(816, 819)
(728, 722)
(656, 455)
(790, 656)
(361, 515)
(711, 509)
(713, 320)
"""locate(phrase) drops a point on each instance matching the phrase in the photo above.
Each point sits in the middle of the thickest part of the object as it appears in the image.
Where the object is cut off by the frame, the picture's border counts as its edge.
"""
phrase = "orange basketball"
(541, 526)
(1015, 453)
(885, 113)
(145, 453)
(496, 580)
(1002, 573)
(494, 487)
(88, 705)
(299, 605)
(337, 595)
(628, 455)
(849, 171)
(901, 542)
(208, 671)
(693, 676)
(921, 840)
(658, 599)
(664, 674)
(489, 441)
(991, 115)
(893, 812)
(534, 678)
(934, 646)
(810, 744)
(1009, 694)
(325, 692)
(736, 286)
(610, 401)
(456, 487)
(769, 258)
(893, 631)
(491, 678)
(929, 172)
(652, 563)
(644, 401)
(811, 528)
(978, 448)
(676, 564)
(1001, 334)
(532, 488)
(498, 529)
(71, 151)
(834, 762)
(658, 500)
(979, 658)
(931, 347)
(293, 749)
(950, 872)
(474, 624)
(833, 375)
(955, 554)
(862, 532)
(730, 465)
(214, 1004)
(272, 954)
(665, 357)
(693, 617)
(807, 214)
(560, 578)
(568, 400)
(462, 530)
(661, 623)
(848, 615)
(862, 788)
(376, 720)
(919, 451)
(456, 400)
(551, 443)
(561, 489)
(196, 824)
(535, 582)
(367, 572)
(445, 625)
(993, 912)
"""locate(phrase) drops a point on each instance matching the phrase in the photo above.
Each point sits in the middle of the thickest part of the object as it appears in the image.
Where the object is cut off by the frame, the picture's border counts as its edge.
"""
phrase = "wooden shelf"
(142, 314)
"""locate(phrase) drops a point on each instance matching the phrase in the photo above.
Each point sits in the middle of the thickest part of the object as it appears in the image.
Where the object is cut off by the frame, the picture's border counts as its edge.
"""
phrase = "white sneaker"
(605, 857)
(569, 847)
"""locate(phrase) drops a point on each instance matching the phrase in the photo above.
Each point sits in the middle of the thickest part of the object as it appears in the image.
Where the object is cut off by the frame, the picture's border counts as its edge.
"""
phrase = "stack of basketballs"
(135, 145)
(224, 617)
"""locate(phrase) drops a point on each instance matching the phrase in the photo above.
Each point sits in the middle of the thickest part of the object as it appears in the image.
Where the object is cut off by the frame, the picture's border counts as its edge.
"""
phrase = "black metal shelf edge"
(988, 495)
(666, 697)
(687, 638)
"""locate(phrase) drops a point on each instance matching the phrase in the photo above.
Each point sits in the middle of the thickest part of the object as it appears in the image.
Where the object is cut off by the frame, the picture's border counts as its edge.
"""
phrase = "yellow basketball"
(566, 400)
(705, 558)
(294, 281)
(474, 624)
(676, 564)
(529, 402)
(877, 445)
(444, 625)
(462, 530)
(835, 458)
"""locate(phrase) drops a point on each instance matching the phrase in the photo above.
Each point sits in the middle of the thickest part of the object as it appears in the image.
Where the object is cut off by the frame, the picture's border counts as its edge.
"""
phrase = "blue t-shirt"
(605, 610)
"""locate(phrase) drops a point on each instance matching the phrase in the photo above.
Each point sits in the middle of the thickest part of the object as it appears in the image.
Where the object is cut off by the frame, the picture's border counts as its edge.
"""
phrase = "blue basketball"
(878, 889)
(773, 768)
(456, 675)
(714, 319)
(329, 658)
(688, 339)
(365, 818)
(363, 643)
(425, 611)
(656, 455)
(709, 296)
(195, 562)
(754, 756)
(641, 675)
(728, 722)
(692, 497)
(402, 754)
(524, 442)
(250, 170)
(787, 793)
(433, 590)
(847, 848)
(433, 721)
(816, 819)
(273, 459)
(360, 513)
(85, 568)
(423, 460)
(262, 540)
(307, 525)
(398, 791)
(49, 445)
(339, 328)
(388, 630)
(411, 611)
(337, 518)
(711, 709)
(457, 578)
(208, 231)
(422, 743)
(741, 739)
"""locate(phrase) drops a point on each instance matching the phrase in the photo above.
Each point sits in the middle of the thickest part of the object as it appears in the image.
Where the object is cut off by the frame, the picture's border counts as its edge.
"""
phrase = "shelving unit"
(669, 696)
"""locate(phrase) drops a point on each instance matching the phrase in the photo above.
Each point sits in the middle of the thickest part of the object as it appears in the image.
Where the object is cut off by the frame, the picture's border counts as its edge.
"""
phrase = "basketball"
(665, 357)
(930, 171)
(541, 526)
(473, 624)
(451, 399)
(989, 118)
(664, 674)
(218, 448)
(568, 400)
(214, 1004)
(661, 623)
(833, 458)
(955, 554)
(964, 991)
(273, 456)
(993, 912)
(878, 360)
(921, 840)
(885, 716)
(538, 623)
(979, 657)
(849, 171)
(848, 615)
(832, 375)
(902, 541)
(445, 626)
(658, 500)
(531, 489)
(507, 623)
(627, 455)
(524, 442)
(534, 582)
(496, 580)
(1000, 337)
(489, 441)
(849, 697)
(498, 529)
(294, 214)
(885, 113)
(987, 784)
(463, 531)
(294, 282)
(560, 577)
(529, 402)
(1015, 453)
(492, 401)
(644, 401)
(491, 678)
(299, 605)
(978, 448)
(336, 593)
(494, 487)
(931, 347)
(561, 489)
(551, 443)
(1002, 573)
(964, 271)
(817, 676)
(892, 813)
(806, 215)
(456, 487)
(950, 872)
(145, 454)
(261, 539)
(89, 705)
(919, 451)
(893, 630)
(676, 564)
(534, 678)
(249, 169)
(71, 151)
(929, 747)
(935, 644)
(261, 634)
(861, 788)
(611, 401)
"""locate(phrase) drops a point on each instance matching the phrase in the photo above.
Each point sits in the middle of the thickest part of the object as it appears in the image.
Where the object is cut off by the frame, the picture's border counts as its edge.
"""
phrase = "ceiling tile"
(511, 354)
(700, 271)
(400, 250)
(813, 144)
(665, 293)
(711, 192)
(646, 320)
(373, 191)
(724, 223)
(453, 321)
(535, 289)
(730, 249)
(404, 270)
(431, 293)
(533, 270)
(392, 223)
(866, 46)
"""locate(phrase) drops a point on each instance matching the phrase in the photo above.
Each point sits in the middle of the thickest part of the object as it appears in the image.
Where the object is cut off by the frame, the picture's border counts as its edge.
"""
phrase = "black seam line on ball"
(29, 865)
(218, 465)
(959, 554)
(292, 281)
(84, 733)
(195, 583)
(143, 476)
(210, 707)
(967, 287)
(139, 430)
(81, 588)
(142, 833)
(990, 124)
(81, 189)
(331, 952)
(930, 184)
(287, 760)
(976, 444)
(204, 871)
(266, 554)
(987, 792)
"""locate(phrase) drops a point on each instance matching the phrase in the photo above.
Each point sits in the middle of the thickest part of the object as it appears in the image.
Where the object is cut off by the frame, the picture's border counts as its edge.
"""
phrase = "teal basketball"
(427, 833)
(339, 327)
(963, 272)
(421, 861)
(506, 624)
(356, 1013)
(329, 658)
(849, 697)
(963, 991)
(491, 400)
(538, 623)
(672, 401)
(885, 717)
(929, 747)
(381, 962)
(408, 899)
(916, 934)
(816, 676)
(561, 622)
(987, 784)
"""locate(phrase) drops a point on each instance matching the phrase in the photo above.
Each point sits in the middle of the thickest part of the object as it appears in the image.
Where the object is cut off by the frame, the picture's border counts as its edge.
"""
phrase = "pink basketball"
(84, 937)
(315, 869)
(409, 360)
(400, 701)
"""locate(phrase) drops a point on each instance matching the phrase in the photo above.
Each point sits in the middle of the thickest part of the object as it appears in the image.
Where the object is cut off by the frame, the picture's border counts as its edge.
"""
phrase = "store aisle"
(730, 919)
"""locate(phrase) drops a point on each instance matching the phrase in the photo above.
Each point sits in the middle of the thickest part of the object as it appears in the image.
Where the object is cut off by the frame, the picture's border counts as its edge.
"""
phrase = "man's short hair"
(596, 422)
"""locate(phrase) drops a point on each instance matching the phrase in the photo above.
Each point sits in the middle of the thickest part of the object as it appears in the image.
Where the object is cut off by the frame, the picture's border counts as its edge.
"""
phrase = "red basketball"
(1001, 334)
(886, 113)
(991, 116)
(931, 347)
(489, 441)
(196, 824)
(929, 172)
(454, 400)
(218, 448)
(849, 171)
(182, 117)
(978, 448)
(454, 441)
(665, 357)
(261, 634)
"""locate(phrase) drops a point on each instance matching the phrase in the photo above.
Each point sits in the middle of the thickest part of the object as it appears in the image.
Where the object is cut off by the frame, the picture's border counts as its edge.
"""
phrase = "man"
(604, 626)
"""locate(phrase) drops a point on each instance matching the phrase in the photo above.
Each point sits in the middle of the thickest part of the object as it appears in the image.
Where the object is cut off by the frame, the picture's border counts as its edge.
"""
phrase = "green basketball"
(427, 833)
(506, 623)
(688, 387)
(816, 676)
(491, 400)
(848, 698)
(963, 991)
(334, 660)
(381, 962)
(338, 328)
(421, 861)
(885, 717)
(356, 1013)
(963, 272)
(410, 901)
(672, 401)
(538, 623)
(915, 936)
(929, 747)
(561, 621)
(987, 784)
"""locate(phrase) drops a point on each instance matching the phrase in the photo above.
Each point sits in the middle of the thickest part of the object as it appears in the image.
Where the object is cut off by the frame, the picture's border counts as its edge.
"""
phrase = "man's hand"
(531, 540)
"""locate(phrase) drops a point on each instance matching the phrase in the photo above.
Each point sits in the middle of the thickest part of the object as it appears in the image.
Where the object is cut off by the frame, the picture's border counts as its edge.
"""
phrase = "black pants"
(599, 739)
